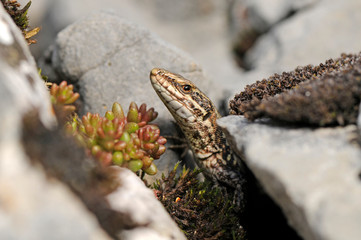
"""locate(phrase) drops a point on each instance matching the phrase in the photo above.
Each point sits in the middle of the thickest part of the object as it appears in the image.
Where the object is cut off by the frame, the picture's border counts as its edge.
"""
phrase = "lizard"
(196, 115)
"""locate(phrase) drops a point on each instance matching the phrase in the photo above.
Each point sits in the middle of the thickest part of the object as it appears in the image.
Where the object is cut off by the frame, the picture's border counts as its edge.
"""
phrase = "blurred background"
(238, 40)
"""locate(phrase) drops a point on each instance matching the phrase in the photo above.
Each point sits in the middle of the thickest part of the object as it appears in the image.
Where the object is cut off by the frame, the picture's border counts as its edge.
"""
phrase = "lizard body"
(196, 115)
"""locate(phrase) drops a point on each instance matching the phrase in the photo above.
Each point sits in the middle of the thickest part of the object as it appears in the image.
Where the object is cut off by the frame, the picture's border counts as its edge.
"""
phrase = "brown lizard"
(196, 115)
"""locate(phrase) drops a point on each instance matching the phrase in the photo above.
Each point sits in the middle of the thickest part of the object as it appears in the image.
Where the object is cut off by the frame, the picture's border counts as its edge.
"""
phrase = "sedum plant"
(127, 141)
(124, 140)
(63, 95)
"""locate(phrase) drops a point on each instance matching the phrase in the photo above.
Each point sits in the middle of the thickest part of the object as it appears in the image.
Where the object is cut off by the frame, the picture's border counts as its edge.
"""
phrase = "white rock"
(6, 37)
(33, 206)
(320, 32)
(134, 198)
(312, 174)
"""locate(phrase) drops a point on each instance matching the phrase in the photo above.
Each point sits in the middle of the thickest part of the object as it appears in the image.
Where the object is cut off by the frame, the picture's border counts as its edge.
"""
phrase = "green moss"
(201, 210)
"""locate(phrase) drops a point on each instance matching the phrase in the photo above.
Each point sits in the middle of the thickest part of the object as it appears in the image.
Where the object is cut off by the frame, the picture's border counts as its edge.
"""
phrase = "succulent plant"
(63, 95)
(127, 141)
(20, 18)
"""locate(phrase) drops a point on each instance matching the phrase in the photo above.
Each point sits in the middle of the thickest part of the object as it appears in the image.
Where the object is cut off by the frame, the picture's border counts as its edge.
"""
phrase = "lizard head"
(183, 99)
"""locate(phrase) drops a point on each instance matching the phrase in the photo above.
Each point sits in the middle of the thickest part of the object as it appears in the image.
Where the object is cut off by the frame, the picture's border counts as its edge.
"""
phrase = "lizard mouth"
(162, 83)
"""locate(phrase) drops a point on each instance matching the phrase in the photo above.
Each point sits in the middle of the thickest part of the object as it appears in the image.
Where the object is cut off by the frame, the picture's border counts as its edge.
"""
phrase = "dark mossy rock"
(334, 99)
(200, 210)
(323, 95)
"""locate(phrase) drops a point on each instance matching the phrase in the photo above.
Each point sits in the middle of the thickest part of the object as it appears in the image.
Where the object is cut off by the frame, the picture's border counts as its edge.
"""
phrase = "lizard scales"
(196, 115)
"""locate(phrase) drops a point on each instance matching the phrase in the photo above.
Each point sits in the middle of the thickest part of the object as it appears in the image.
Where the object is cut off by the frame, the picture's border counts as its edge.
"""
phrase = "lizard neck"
(194, 112)
(204, 137)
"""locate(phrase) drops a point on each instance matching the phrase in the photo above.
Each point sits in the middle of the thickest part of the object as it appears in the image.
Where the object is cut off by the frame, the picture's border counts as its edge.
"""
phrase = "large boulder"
(137, 201)
(312, 174)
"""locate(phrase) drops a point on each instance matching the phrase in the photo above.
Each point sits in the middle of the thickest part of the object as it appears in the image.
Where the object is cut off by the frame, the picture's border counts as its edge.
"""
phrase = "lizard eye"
(186, 88)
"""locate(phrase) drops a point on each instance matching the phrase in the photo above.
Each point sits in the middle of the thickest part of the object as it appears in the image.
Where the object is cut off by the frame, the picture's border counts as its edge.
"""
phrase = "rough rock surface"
(32, 206)
(134, 198)
(197, 27)
(116, 60)
(312, 174)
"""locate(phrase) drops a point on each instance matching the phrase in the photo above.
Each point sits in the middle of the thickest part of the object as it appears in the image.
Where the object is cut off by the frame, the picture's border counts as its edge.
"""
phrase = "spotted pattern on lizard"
(196, 115)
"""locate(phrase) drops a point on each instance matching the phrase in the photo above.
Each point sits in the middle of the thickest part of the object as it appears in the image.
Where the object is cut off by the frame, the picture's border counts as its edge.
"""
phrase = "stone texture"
(115, 62)
(197, 27)
(134, 198)
(32, 205)
(312, 174)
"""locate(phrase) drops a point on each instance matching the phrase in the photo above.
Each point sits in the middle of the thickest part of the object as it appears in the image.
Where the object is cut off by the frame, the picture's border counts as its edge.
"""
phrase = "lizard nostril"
(155, 71)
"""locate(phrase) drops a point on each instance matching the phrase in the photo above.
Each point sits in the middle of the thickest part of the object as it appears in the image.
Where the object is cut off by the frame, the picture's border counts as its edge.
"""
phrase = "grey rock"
(133, 198)
(35, 208)
(260, 15)
(21, 87)
(197, 27)
(312, 174)
(308, 38)
(32, 206)
(115, 62)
